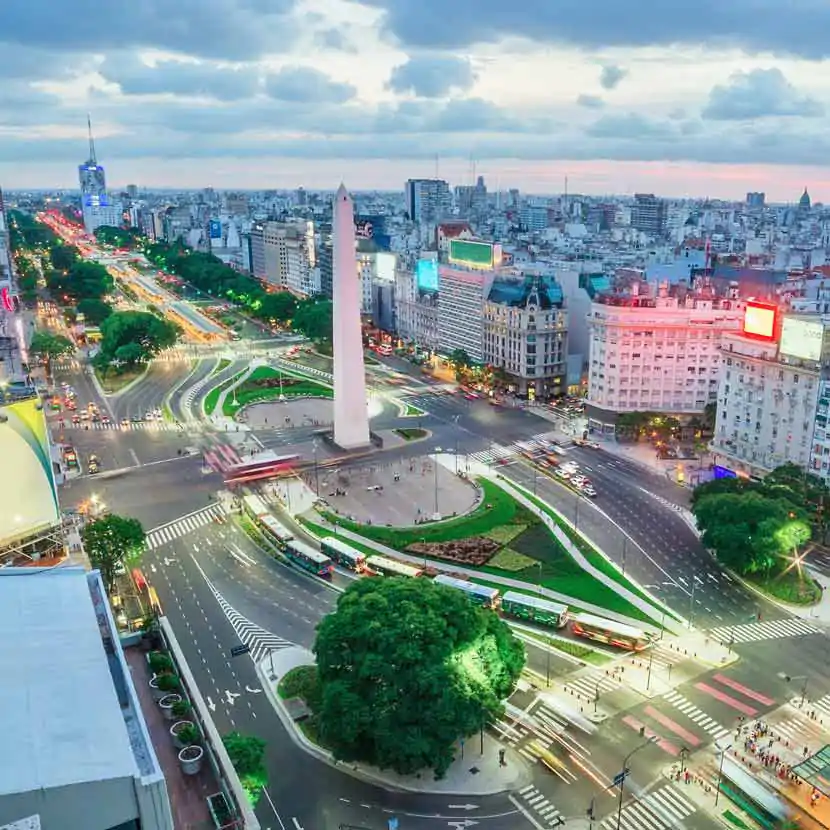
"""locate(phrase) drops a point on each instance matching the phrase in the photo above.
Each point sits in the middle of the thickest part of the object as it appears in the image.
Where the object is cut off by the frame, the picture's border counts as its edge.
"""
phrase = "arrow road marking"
(231, 697)
(253, 691)
(463, 806)
(297, 823)
(168, 562)
(153, 568)
(461, 825)
(211, 704)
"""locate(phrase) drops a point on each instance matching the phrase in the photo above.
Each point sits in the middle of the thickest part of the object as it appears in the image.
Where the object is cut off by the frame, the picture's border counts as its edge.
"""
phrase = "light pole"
(455, 421)
(723, 752)
(621, 776)
(790, 679)
(692, 601)
(650, 661)
(625, 548)
(547, 650)
(316, 469)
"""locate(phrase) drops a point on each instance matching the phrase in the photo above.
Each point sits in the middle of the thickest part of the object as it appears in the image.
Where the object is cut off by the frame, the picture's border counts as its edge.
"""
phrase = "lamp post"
(723, 751)
(620, 777)
(316, 469)
(455, 422)
(547, 650)
(790, 679)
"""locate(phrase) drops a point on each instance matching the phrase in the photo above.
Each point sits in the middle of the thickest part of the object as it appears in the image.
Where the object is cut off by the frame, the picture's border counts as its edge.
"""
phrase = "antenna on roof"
(91, 140)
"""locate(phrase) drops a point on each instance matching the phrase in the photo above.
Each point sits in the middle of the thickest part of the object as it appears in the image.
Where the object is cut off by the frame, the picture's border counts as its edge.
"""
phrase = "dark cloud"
(611, 76)
(752, 25)
(760, 93)
(222, 29)
(432, 76)
(590, 102)
(303, 84)
(201, 79)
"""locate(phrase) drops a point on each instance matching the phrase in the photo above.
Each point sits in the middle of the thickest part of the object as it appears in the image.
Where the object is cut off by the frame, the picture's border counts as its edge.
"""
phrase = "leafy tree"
(111, 540)
(247, 754)
(118, 237)
(132, 337)
(50, 346)
(406, 668)
(460, 358)
(94, 311)
(280, 306)
(63, 257)
(721, 486)
(313, 318)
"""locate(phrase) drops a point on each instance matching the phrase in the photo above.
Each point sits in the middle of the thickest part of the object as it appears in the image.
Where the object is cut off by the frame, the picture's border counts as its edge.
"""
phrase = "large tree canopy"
(50, 346)
(313, 318)
(94, 311)
(406, 668)
(110, 540)
(131, 337)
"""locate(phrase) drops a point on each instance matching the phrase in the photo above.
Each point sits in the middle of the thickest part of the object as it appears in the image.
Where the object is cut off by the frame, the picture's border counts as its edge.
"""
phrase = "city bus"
(383, 566)
(479, 594)
(266, 464)
(306, 557)
(254, 507)
(756, 800)
(609, 632)
(534, 609)
(343, 554)
(278, 533)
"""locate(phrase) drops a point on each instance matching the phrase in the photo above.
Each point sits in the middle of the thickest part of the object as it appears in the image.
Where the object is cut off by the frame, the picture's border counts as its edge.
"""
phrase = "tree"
(63, 257)
(280, 307)
(460, 358)
(94, 311)
(132, 337)
(111, 540)
(117, 237)
(50, 346)
(247, 755)
(313, 318)
(406, 668)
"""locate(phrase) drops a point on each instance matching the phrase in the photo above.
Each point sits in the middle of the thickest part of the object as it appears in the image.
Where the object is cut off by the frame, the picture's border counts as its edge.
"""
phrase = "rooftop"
(60, 717)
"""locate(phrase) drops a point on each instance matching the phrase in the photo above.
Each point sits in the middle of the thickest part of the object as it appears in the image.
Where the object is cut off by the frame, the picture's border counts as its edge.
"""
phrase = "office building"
(284, 255)
(461, 294)
(534, 218)
(78, 755)
(416, 307)
(427, 200)
(774, 394)
(95, 201)
(525, 334)
(5, 248)
(471, 200)
(657, 349)
(649, 214)
(755, 199)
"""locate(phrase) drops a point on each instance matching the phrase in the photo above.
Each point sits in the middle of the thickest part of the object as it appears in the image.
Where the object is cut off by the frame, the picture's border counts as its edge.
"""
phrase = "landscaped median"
(507, 544)
(266, 384)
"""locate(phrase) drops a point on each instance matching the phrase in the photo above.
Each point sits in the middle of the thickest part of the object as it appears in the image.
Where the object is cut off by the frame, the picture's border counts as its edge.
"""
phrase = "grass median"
(265, 384)
(212, 397)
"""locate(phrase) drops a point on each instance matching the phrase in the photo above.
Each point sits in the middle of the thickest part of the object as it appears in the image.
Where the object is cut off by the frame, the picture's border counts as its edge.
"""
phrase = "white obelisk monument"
(351, 410)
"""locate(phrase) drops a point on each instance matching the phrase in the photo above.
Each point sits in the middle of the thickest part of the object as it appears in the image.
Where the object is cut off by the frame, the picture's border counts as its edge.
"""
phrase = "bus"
(756, 800)
(306, 557)
(479, 594)
(608, 631)
(254, 507)
(274, 530)
(343, 554)
(383, 566)
(534, 609)
(266, 464)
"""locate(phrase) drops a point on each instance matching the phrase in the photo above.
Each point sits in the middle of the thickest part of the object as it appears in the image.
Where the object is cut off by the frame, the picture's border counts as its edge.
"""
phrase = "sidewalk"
(472, 774)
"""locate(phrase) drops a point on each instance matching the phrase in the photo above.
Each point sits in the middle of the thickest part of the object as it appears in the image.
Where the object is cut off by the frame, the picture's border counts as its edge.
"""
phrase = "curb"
(165, 405)
(123, 389)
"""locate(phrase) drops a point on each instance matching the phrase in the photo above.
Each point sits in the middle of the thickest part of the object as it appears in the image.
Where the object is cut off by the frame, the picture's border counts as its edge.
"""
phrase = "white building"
(416, 310)
(427, 200)
(773, 399)
(285, 256)
(656, 350)
(5, 250)
(461, 295)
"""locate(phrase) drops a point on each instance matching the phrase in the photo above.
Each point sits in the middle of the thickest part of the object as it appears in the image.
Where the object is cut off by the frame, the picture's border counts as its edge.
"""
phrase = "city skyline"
(237, 97)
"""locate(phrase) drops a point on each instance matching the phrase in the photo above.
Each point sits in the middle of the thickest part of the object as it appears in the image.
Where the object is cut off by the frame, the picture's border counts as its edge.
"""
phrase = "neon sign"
(7, 300)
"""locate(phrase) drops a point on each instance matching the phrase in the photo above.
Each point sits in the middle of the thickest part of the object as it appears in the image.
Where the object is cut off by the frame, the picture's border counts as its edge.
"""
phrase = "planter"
(158, 694)
(190, 759)
(220, 811)
(178, 727)
(167, 703)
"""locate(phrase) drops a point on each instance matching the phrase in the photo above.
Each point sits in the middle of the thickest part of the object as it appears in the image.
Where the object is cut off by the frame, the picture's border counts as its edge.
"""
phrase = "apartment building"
(649, 214)
(461, 294)
(657, 348)
(416, 310)
(284, 255)
(427, 200)
(5, 249)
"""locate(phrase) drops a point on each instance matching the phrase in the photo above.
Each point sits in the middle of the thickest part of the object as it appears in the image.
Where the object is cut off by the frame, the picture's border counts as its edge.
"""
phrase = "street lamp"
(548, 649)
(723, 751)
(316, 469)
(455, 422)
(620, 777)
(790, 679)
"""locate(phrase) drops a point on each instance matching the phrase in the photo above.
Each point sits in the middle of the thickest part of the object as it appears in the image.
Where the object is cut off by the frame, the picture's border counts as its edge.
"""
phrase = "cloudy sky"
(710, 98)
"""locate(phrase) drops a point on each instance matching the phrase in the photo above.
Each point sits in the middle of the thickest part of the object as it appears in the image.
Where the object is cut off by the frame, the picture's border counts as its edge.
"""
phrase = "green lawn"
(790, 587)
(223, 364)
(294, 385)
(212, 397)
(115, 381)
(410, 411)
(411, 434)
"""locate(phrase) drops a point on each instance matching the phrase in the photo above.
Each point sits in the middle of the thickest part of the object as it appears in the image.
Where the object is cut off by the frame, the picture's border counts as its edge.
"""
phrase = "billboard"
(29, 497)
(215, 229)
(760, 320)
(385, 267)
(802, 338)
(426, 275)
(363, 228)
(472, 254)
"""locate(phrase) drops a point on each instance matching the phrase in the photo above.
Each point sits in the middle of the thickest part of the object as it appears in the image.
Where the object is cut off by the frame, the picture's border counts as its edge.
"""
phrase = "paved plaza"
(400, 493)
(297, 412)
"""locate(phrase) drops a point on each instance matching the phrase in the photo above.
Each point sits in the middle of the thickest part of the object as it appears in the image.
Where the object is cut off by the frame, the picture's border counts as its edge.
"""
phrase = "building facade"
(416, 310)
(461, 295)
(284, 255)
(649, 214)
(5, 248)
(656, 350)
(427, 200)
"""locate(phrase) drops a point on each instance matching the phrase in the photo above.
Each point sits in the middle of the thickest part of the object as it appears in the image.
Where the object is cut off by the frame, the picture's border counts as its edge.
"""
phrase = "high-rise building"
(284, 255)
(95, 201)
(649, 214)
(5, 250)
(755, 199)
(427, 200)
(132, 191)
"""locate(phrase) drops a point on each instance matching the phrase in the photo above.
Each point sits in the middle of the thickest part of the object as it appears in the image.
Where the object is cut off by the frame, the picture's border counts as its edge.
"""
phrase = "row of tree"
(757, 527)
(132, 338)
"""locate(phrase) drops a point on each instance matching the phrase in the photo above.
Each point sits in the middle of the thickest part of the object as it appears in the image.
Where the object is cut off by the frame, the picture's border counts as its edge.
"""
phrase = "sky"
(705, 99)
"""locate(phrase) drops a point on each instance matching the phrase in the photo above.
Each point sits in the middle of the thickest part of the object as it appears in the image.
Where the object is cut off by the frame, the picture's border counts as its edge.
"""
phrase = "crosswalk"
(148, 426)
(545, 811)
(662, 809)
(697, 716)
(592, 684)
(494, 454)
(187, 524)
(769, 630)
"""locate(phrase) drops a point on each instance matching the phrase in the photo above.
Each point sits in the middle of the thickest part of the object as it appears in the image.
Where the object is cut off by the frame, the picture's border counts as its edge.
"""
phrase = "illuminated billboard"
(215, 229)
(473, 254)
(29, 497)
(759, 320)
(802, 338)
(385, 267)
(426, 275)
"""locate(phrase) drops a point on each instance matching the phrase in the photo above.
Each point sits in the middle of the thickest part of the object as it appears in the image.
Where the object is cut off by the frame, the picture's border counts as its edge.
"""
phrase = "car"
(125, 422)
(76, 419)
(470, 397)
(562, 473)
(105, 419)
(590, 492)
(94, 417)
(84, 415)
(93, 468)
(136, 419)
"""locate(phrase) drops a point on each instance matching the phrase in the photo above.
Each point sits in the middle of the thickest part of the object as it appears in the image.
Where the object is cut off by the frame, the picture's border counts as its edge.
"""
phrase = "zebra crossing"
(662, 809)
(187, 524)
(697, 716)
(770, 630)
(494, 454)
(545, 811)
(147, 426)
(590, 685)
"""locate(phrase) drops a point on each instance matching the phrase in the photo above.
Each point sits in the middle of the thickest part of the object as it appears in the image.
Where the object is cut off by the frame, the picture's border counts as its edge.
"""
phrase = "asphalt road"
(150, 391)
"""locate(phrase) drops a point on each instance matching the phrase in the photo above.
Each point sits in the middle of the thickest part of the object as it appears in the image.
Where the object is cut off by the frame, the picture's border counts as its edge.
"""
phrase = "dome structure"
(804, 202)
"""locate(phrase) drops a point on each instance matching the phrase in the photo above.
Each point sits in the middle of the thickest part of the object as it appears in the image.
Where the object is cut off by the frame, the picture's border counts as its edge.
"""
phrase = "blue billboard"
(426, 275)
(215, 229)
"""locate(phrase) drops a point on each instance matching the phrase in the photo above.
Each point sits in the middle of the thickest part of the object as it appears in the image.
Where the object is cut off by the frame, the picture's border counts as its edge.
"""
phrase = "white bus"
(275, 531)
(383, 566)
(479, 594)
(343, 554)
(254, 507)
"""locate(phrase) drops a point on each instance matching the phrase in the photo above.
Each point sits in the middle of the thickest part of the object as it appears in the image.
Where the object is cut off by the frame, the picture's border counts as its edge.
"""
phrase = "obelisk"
(351, 411)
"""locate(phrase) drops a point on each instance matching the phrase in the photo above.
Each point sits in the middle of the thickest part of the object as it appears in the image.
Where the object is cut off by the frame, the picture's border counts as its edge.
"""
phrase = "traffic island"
(476, 770)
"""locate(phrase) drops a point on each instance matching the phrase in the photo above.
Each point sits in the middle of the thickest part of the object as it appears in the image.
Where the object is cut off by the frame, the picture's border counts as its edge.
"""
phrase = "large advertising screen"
(215, 229)
(29, 498)
(472, 254)
(385, 266)
(426, 275)
(759, 320)
(802, 338)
